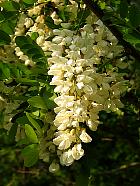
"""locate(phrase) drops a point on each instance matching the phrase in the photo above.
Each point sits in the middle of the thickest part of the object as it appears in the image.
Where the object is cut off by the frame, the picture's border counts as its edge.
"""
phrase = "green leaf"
(34, 123)
(3, 131)
(7, 27)
(137, 46)
(107, 16)
(1, 17)
(134, 16)
(22, 40)
(22, 120)
(81, 18)
(26, 81)
(132, 38)
(64, 15)
(12, 132)
(4, 38)
(102, 5)
(29, 1)
(34, 36)
(1, 116)
(30, 154)
(29, 47)
(24, 46)
(38, 102)
(24, 141)
(50, 103)
(5, 69)
(31, 134)
(123, 8)
(10, 5)
(50, 23)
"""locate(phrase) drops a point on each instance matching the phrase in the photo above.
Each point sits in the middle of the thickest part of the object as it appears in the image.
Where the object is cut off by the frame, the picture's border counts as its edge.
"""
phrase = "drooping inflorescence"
(82, 89)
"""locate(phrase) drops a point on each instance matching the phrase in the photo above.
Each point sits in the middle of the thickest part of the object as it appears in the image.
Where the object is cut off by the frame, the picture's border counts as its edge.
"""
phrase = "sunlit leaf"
(31, 134)
(38, 102)
(30, 154)
(4, 38)
(30, 1)
(33, 122)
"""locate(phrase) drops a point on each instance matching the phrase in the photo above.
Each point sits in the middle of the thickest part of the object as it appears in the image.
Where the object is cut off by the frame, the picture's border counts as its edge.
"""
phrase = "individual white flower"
(77, 151)
(63, 141)
(85, 137)
(54, 167)
(23, 57)
(28, 22)
(46, 157)
(66, 158)
(19, 31)
(40, 40)
(40, 19)
(34, 28)
(57, 39)
(88, 89)
(93, 124)
(75, 124)
(64, 100)
(18, 51)
(34, 11)
(80, 85)
(29, 62)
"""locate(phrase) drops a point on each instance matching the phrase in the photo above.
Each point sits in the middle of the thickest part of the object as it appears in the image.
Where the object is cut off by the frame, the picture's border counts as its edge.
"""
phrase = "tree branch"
(122, 168)
(129, 49)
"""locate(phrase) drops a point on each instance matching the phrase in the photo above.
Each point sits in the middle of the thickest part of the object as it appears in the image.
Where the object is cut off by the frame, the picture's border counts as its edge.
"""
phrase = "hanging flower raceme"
(83, 90)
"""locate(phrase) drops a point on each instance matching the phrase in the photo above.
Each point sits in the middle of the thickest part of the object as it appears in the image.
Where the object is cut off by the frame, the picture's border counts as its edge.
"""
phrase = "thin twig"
(27, 171)
(122, 168)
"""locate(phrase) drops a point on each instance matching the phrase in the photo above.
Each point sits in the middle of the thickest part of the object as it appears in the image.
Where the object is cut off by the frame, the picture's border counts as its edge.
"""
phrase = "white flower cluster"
(82, 90)
(47, 148)
(23, 23)
(27, 26)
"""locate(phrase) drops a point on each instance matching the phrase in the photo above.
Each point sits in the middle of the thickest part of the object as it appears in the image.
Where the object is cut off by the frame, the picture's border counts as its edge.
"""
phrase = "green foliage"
(12, 132)
(8, 17)
(4, 39)
(30, 155)
(30, 1)
(81, 17)
(123, 9)
(114, 149)
(10, 5)
(34, 123)
(30, 48)
(31, 135)
(5, 71)
(134, 16)
(38, 102)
